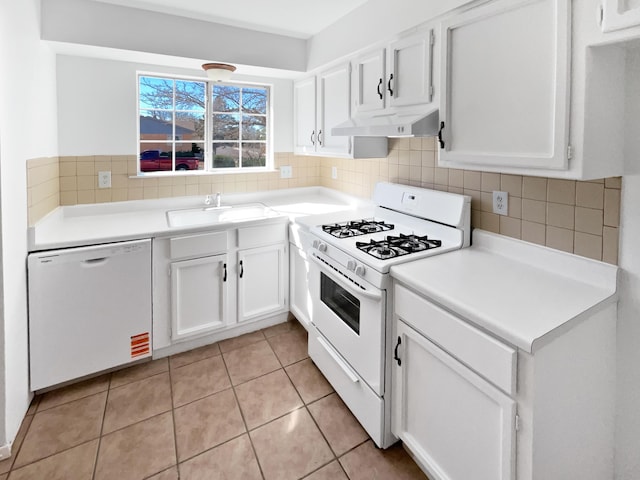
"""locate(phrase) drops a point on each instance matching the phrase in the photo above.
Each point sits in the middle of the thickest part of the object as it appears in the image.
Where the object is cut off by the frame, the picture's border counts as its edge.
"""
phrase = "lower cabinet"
(198, 295)
(262, 281)
(458, 425)
(300, 301)
(213, 285)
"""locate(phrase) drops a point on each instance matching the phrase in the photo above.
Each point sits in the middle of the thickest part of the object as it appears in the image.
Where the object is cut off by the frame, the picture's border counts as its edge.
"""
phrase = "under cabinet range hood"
(391, 125)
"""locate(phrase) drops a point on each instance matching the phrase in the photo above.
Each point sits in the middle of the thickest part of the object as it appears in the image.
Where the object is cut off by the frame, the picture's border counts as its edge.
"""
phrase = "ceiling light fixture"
(219, 72)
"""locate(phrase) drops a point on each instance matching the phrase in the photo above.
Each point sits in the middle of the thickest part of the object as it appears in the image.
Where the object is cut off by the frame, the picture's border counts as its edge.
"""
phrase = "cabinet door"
(198, 296)
(333, 108)
(504, 84)
(410, 81)
(457, 424)
(618, 14)
(300, 303)
(304, 122)
(370, 83)
(262, 281)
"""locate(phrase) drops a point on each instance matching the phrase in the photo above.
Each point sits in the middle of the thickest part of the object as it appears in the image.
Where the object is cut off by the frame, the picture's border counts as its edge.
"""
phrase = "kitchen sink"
(213, 215)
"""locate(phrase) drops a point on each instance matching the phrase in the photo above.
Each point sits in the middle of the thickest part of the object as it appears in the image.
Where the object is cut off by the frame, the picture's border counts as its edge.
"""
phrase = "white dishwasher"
(89, 310)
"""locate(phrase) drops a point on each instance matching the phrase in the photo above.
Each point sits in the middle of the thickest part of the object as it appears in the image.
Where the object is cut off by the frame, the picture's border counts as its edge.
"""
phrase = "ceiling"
(295, 18)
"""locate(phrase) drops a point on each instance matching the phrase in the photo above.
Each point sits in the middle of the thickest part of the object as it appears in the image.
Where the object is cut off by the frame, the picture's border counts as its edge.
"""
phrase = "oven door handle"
(336, 358)
(346, 285)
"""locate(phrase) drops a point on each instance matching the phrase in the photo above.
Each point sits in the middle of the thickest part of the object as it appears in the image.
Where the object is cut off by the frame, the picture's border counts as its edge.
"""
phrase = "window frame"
(208, 168)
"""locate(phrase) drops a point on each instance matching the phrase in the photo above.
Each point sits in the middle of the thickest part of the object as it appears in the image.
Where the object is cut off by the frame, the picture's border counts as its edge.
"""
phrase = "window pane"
(254, 154)
(156, 93)
(225, 155)
(254, 127)
(189, 126)
(225, 98)
(155, 125)
(155, 157)
(190, 95)
(226, 127)
(189, 156)
(254, 100)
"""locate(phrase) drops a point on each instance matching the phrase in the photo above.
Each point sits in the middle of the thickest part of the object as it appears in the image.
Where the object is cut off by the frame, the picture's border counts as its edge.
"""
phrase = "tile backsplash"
(581, 217)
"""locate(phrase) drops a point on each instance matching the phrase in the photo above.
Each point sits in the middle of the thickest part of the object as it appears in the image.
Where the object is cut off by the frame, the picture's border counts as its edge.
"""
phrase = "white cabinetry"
(300, 300)
(262, 281)
(618, 14)
(399, 75)
(504, 86)
(215, 285)
(322, 102)
(198, 295)
(457, 424)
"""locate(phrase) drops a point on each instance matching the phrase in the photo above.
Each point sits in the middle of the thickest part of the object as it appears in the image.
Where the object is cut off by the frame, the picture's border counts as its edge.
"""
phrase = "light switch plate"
(286, 171)
(334, 173)
(104, 179)
(501, 203)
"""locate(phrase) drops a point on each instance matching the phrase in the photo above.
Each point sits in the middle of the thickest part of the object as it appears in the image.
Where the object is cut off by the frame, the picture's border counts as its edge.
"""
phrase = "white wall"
(28, 130)
(97, 105)
(114, 26)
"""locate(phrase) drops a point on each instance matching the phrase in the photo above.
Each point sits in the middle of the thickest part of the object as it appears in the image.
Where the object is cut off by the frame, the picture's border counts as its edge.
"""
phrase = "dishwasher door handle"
(95, 262)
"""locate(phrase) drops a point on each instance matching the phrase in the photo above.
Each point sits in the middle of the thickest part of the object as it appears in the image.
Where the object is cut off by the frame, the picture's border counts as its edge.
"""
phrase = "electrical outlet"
(104, 179)
(334, 173)
(501, 203)
(286, 171)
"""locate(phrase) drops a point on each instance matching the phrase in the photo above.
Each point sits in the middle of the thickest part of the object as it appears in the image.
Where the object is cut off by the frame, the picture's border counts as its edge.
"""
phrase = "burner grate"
(356, 228)
(396, 246)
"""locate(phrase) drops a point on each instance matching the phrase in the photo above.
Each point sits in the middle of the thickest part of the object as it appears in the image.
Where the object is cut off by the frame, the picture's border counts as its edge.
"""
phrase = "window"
(198, 125)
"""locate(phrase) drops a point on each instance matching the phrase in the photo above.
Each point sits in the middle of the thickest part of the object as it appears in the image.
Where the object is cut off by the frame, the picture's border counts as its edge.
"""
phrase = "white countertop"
(78, 225)
(522, 293)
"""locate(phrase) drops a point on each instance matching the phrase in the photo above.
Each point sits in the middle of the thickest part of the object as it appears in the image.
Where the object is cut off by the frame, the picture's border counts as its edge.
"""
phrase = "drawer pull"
(395, 352)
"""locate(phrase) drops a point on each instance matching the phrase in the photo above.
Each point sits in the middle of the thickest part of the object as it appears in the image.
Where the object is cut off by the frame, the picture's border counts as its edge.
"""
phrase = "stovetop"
(396, 238)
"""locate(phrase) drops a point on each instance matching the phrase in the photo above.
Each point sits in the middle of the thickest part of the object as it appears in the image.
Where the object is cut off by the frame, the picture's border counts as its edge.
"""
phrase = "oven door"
(351, 318)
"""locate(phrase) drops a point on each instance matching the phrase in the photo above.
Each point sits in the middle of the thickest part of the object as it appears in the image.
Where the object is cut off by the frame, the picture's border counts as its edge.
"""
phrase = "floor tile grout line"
(52, 455)
(15, 456)
(173, 419)
(104, 416)
(72, 400)
(244, 420)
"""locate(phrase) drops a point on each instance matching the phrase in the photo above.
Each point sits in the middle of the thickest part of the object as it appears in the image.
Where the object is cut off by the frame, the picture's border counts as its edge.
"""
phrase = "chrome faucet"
(209, 200)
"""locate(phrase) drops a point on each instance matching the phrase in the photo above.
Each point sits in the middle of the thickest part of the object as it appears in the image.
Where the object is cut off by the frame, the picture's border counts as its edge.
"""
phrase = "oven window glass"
(341, 302)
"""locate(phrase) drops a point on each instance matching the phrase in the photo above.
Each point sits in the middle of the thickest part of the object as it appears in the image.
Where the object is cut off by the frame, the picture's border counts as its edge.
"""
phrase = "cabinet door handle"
(440, 140)
(379, 91)
(241, 269)
(313, 142)
(224, 276)
(395, 352)
(320, 137)
(389, 85)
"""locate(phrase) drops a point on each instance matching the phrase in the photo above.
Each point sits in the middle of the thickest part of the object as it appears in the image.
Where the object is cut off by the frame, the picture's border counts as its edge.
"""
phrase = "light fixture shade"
(219, 72)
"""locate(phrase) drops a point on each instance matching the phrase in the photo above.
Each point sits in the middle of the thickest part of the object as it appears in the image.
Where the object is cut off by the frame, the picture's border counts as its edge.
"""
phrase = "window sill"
(201, 173)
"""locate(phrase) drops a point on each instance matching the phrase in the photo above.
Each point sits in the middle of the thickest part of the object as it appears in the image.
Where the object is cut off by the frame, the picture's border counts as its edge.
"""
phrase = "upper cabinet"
(618, 14)
(322, 102)
(396, 76)
(504, 100)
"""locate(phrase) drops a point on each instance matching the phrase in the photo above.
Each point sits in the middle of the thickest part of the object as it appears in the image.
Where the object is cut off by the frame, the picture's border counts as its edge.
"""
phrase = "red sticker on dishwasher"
(140, 345)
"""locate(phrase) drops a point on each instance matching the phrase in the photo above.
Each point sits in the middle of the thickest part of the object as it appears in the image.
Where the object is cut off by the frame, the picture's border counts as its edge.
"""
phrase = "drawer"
(489, 357)
(354, 392)
(249, 237)
(198, 245)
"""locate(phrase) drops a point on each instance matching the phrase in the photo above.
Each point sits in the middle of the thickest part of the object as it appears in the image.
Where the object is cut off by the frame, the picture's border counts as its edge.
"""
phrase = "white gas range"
(349, 285)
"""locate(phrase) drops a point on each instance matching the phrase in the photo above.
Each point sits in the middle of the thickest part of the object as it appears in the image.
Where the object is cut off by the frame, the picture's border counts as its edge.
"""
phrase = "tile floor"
(252, 407)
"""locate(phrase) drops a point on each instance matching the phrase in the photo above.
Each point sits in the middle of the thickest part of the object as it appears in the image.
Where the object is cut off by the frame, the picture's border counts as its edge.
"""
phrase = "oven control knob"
(322, 247)
(360, 270)
(351, 265)
(316, 243)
